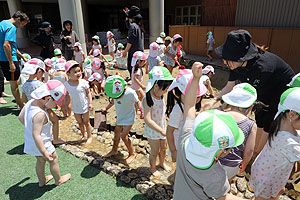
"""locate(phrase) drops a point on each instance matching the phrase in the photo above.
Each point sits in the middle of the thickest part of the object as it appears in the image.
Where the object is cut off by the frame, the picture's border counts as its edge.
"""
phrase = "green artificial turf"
(19, 180)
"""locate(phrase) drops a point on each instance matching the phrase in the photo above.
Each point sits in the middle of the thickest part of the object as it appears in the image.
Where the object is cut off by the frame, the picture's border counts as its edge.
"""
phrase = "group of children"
(209, 147)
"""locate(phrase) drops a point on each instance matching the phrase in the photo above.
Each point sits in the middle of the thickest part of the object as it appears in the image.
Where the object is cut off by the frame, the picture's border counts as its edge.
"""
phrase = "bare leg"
(15, 91)
(128, 143)
(162, 156)
(79, 120)
(112, 55)
(55, 127)
(86, 121)
(40, 171)
(114, 150)
(154, 145)
(6, 95)
(54, 168)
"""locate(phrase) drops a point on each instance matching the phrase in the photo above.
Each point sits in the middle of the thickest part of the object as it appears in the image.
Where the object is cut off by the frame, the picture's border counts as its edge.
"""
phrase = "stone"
(159, 196)
(125, 154)
(150, 193)
(161, 189)
(135, 142)
(142, 188)
(148, 148)
(133, 183)
(234, 190)
(138, 149)
(239, 194)
(108, 141)
(94, 131)
(106, 134)
(283, 197)
(132, 175)
(241, 184)
(248, 195)
(150, 183)
(143, 143)
(125, 179)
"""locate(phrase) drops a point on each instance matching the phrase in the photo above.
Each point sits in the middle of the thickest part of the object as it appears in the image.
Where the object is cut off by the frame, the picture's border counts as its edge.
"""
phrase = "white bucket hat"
(95, 77)
(213, 130)
(208, 69)
(153, 49)
(60, 64)
(289, 100)
(138, 55)
(158, 73)
(159, 40)
(183, 82)
(243, 95)
(32, 65)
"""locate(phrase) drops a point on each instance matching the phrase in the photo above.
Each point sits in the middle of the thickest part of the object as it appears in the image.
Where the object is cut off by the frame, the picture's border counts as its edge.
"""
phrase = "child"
(96, 44)
(49, 71)
(139, 60)
(121, 62)
(97, 54)
(99, 67)
(95, 82)
(272, 168)
(111, 44)
(209, 45)
(58, 53)
(37, 130)
(175, 111)
(154, 115)
(153, 58)
(208, 72)
(171, 51)
(78, 54)
(162, 36)
(81, 99)
(27, 57)
(241, 101)
(201, 142)
(161, 48)
(23, 77)
(59, 73)
(126, 102)
(35, 68)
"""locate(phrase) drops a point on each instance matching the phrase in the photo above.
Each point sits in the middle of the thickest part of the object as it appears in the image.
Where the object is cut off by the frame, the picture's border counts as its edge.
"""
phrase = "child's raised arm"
(148, 119)
(249, 148)
(191, 95)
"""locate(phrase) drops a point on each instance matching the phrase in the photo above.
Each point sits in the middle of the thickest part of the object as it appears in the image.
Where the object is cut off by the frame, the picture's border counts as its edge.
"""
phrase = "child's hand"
(48, 156)
(163, 133)
(242, 167)
(197, 69)
(103, 110)
(91, 107)
(143, 87)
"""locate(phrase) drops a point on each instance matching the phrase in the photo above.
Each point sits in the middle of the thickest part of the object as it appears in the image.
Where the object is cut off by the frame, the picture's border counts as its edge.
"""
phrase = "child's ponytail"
(275, 126)
(172, 99)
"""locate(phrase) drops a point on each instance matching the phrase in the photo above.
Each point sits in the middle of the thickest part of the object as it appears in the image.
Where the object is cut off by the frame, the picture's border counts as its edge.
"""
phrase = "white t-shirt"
(79, 99)
(78, 56)
(125, 108)
(203, 79)
(176, 120)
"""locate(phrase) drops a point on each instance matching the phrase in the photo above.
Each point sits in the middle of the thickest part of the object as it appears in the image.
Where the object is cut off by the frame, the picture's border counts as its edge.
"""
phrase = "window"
(188, 15)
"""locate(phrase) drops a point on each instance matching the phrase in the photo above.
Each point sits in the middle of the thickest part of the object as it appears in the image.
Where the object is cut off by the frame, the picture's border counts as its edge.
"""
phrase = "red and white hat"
(95, 77)
(32, 65)
(54, 88)
(138, 55)
(77, 44)
(108, 34)
(48, 62)
(153, 52)
(60, 64)
(176, 36)
(208, 69)
(70, 64)
(96, 63)
(183, 82)
(96, 52)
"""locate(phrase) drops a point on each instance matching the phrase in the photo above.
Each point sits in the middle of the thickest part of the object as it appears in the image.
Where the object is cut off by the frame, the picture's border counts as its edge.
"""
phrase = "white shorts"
(31, 148)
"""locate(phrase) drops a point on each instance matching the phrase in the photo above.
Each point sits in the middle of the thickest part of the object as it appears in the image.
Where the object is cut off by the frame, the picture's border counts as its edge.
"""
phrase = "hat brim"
(40, 92)
(239, 98)
(29, 69)
(227, 55)
(150, 85)
(201, 88)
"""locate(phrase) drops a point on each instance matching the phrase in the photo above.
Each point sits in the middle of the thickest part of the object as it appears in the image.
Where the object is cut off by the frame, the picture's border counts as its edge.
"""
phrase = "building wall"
(268, 13)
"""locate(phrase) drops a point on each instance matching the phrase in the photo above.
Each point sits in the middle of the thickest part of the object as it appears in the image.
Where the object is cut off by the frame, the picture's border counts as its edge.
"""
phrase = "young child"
(161, 48)
(121, 62)
(99, 67)
(48, 70)
(241, 101)
(78, 54)
(209, 45)
(95, 83)
(23, 77)
(35, 68)
(58, 53)
(96, 44)
(208, 72)
(37, 130)
(272, 168)
(87, 65)
(126, 102)
(139, 60)
(111, 44)
(97, 54)
(154, 115)
(171, 51)
(162, 36)
(177, 92)
(81, 99)
(201, 142)
(60, 72)
(153, 58)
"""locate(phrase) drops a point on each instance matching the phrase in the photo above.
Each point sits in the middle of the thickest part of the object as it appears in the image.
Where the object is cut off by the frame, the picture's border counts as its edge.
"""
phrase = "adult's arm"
(21, 55)
(128, 46)
(7, 51)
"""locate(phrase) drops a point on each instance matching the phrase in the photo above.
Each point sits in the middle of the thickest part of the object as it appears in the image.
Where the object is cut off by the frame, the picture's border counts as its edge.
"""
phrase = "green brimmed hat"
(289, 100)
(158, 73)
(114, 86)
(242, 95)
(295, 82)
(57, 52)
(213, 130)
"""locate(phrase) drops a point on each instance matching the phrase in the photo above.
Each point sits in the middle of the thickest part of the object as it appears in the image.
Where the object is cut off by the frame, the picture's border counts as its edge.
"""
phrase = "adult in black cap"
(268, 73)
(135, 35)
(68, 38)
(45, 39)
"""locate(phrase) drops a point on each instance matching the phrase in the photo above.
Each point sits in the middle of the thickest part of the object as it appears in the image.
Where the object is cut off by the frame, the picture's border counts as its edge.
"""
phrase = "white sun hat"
(95, 77)
(60, 64)
(243, 95)
(213, 130)
(32, 65)
(138, 55)
(158, 73)
(183, 82)
(289, 100)
(153, 49)
(208, 69)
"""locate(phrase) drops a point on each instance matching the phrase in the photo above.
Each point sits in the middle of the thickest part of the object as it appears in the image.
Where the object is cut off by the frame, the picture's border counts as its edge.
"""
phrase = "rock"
(94, 131)
(150, 183)
(159, 196)
(142, 188)
(108, 141)
(239, 194)
(125, 154)
(143, 143)
(234, 190)
(283, 197)
(125, 179)
(241, 184)
(148, 148)
(133, 183)
(135, 142)
(106, 134)
(132, 175)
(150, 193)
(79, 154)
(248, 195)
(140, 150)
(161, 190)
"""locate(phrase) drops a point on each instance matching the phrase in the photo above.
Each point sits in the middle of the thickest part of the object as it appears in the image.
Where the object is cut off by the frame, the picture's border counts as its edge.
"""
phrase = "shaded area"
(7, 110)
(89, 172)
(18, 150)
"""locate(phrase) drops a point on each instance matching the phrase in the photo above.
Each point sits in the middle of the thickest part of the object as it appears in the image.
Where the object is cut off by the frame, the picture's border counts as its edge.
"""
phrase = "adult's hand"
(12, 67)
(124, 54)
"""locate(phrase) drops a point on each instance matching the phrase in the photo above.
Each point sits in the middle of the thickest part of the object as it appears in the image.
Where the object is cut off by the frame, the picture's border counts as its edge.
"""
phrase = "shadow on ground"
(7, 110)
(18, 150)
(89, 172)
